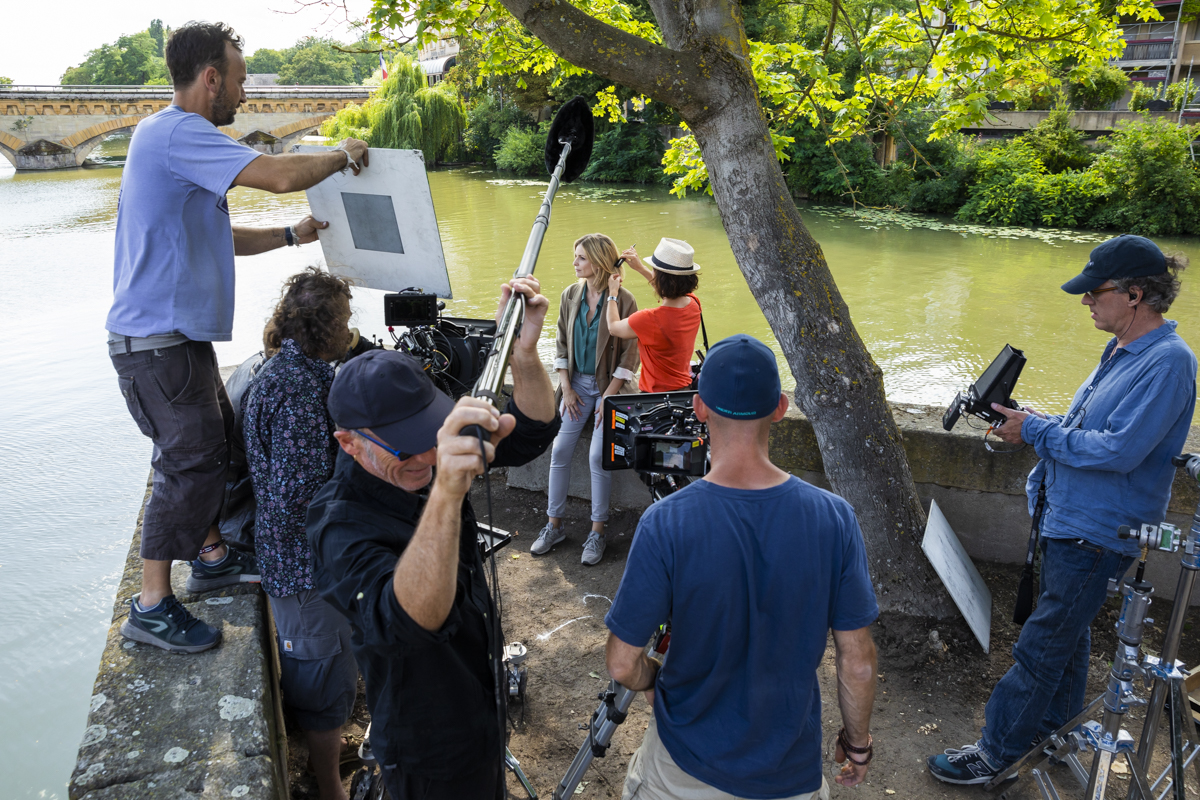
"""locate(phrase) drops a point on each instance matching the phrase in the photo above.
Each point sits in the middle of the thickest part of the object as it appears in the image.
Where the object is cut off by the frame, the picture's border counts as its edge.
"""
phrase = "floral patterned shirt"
(290, 450)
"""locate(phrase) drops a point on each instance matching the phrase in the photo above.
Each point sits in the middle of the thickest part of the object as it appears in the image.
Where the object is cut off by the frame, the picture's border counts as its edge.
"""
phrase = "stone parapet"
(205, 725)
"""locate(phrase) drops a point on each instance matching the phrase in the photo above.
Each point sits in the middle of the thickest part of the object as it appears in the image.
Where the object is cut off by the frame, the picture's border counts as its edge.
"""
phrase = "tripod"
(1108, 738)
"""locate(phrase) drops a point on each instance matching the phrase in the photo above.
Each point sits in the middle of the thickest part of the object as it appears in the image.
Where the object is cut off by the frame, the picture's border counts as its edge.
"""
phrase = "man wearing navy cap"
(753, 568)
(394, 544)
(1105, 463)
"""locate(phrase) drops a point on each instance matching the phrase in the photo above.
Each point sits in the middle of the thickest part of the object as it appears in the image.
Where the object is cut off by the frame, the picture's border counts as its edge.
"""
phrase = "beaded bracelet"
(844, 742)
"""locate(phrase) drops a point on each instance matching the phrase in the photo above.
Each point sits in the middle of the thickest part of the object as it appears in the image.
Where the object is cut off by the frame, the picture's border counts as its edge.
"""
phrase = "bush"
(1012, 187)
(1094, 88)
(1152, 184)
(1181, 94)
(1059, 146)
(1141, 94)
(523, 151)
(628, 153)
(487, 122)
(813, 170)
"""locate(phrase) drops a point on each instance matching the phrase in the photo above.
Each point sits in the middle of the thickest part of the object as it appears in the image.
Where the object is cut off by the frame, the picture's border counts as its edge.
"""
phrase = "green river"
(934, 301)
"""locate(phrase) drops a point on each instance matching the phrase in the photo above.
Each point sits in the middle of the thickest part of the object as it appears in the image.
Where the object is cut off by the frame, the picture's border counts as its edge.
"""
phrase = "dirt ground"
(930, 696)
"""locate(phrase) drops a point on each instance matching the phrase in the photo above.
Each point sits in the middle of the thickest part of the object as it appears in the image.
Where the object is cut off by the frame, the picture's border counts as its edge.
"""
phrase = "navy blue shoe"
(965, 765)
(236, 567)
(170, 626)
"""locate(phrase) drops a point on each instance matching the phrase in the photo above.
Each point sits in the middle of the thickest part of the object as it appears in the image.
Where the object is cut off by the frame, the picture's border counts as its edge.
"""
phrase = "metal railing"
(1148, 51)
(1148, 30)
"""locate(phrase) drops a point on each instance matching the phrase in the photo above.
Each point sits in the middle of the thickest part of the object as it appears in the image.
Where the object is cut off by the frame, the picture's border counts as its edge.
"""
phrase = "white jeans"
(564, 448)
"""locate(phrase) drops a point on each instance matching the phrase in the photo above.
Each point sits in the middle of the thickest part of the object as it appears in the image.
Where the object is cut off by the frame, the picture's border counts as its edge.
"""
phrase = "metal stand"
(614, 706)
(1108, 738)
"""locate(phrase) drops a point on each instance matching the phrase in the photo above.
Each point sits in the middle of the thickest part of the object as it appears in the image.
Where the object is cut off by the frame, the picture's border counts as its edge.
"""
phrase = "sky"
(30, 56)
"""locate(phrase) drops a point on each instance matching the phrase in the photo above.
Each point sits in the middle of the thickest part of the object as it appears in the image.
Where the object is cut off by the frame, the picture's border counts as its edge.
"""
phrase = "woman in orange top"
(666, 334)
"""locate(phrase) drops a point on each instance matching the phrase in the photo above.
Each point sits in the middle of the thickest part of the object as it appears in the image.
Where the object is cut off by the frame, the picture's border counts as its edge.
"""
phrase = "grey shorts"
(177, 398)
(319, 674)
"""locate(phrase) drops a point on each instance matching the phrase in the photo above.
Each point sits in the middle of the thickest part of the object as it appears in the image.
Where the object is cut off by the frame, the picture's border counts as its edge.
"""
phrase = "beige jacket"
(615, 358)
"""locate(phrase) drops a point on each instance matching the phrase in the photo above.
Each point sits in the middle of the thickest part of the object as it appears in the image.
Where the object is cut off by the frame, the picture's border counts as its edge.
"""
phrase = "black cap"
(389, 393)
(1126, 256)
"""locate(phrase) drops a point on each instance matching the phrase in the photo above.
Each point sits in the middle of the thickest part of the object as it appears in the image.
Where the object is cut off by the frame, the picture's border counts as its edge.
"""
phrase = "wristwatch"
(289, 236)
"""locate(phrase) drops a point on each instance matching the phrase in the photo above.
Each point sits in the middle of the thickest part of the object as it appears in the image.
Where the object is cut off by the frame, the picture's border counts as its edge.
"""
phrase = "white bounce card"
(958, 573)
(382, 230)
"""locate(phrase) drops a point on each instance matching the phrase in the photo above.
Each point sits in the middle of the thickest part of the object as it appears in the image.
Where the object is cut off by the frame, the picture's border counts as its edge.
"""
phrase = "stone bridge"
(55, 127)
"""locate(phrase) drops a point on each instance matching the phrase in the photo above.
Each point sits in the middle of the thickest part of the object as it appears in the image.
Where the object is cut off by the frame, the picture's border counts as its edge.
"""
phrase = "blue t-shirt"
(173, 263)
(752, 581)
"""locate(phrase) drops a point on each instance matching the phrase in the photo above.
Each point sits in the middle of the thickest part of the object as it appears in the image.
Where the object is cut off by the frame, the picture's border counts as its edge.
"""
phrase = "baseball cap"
(389, 393)
(1125, 256)
(740, 378)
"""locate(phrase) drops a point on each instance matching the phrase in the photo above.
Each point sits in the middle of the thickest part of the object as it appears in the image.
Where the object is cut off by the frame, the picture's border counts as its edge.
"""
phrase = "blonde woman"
(591, 365)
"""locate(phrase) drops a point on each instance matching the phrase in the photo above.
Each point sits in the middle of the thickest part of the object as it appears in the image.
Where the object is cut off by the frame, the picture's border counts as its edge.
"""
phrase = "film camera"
(657, 435)
(995, 385)
(453, 350)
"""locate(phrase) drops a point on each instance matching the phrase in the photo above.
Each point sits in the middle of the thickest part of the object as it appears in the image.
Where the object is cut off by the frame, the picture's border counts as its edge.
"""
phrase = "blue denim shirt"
(1107, 461)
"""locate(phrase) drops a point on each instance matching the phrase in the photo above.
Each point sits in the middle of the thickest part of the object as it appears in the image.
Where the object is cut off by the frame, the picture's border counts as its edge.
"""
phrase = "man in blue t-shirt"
(753, 568)
(173, 295)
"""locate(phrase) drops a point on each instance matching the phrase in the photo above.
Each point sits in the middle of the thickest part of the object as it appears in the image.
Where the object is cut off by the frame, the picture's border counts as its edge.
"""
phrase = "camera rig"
(995, 385)
(453, 350)
(656, 434)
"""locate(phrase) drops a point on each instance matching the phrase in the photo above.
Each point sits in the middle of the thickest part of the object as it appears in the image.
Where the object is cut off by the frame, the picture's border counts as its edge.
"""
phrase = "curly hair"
(312, 312)
(1158, 291)
(668, 285)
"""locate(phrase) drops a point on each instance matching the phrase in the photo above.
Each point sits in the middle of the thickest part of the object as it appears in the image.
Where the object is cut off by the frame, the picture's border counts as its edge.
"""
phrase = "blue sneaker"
(965, 765)
(170, 626)
(236, 567)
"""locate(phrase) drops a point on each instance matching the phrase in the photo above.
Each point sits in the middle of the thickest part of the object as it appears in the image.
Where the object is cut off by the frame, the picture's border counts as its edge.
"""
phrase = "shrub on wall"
(1096, 87)
(631, 152)
(523, 151)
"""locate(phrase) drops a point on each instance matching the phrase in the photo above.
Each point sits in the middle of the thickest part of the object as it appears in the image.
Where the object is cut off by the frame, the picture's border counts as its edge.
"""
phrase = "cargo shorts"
(318, 673)
(177, 398)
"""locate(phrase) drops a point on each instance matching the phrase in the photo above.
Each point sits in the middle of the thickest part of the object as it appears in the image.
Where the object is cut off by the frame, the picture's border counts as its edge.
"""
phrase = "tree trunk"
(704, 73)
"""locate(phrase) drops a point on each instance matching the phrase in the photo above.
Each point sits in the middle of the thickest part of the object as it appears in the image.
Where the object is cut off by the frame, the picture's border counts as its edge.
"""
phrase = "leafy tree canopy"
(132, 60)
(315, 62)
(5, 81)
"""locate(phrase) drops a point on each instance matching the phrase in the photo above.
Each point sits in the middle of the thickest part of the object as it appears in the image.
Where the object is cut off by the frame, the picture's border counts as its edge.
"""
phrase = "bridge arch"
(9, 145)
(85, 141)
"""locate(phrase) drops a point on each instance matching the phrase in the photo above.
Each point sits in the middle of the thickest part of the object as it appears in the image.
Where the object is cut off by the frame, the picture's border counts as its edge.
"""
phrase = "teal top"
(586, 334)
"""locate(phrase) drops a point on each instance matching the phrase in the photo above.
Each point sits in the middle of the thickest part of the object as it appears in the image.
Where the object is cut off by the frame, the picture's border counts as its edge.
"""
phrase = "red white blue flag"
(383, 66)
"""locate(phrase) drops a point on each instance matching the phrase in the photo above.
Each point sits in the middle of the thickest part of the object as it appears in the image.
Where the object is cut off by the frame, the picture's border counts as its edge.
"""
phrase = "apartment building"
(1161, 52)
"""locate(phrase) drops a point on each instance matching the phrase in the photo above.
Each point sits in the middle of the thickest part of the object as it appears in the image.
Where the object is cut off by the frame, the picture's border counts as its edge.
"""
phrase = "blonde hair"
(602, 253)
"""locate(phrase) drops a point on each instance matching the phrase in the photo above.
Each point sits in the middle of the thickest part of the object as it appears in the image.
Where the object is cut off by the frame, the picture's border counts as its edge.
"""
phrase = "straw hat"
(674, 256)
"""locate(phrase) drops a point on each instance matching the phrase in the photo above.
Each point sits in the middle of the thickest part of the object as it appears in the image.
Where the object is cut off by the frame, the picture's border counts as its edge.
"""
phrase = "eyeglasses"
(398, 454)
(1092, 294)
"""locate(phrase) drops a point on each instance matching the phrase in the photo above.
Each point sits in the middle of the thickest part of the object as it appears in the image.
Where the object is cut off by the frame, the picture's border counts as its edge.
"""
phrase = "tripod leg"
(613, 706)
(1015, 767)
(1139, 777)
(1188, 726)
(1098, 779)
(511, 762)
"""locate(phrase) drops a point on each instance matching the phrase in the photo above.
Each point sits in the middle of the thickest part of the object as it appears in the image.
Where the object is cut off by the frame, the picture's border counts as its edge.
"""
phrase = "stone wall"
(982, 494)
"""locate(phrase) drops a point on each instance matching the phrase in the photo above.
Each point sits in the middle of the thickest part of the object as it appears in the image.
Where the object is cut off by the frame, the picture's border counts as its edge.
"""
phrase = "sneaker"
(170, 626)
(236, 567)
(593, 549)
(965, 765)
(549, 537)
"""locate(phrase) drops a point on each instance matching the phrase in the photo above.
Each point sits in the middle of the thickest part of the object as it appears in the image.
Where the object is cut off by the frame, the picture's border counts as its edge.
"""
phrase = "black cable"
(499, 678)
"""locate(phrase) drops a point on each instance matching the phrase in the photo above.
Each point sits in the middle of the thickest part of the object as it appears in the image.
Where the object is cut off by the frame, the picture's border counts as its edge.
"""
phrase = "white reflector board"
(959, 575)
(382, 230)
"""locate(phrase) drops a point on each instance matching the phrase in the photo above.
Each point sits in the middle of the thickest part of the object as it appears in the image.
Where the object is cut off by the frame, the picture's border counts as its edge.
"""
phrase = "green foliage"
(1181, 93)
(315, 62)
(1094, 87)
(630, 152)
(487, 122)
(1012, 187)
(5, 81)
(159, 34)
(132, 60)
(1059, 146)
(1153, 185)
(523, 151)
(1141, 94)
(265, 61)
(404, 113)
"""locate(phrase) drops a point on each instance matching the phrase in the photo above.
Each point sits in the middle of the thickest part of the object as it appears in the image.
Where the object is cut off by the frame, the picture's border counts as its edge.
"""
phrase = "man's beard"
(223, 111)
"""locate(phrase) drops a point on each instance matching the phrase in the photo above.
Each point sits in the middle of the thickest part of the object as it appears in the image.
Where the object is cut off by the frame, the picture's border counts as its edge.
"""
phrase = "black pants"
(482, 784)
(177, 398)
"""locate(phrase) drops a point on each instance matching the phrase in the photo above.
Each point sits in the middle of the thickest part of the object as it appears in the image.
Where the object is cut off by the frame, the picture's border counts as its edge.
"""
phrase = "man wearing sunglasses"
(1105, 463)
(394, 543)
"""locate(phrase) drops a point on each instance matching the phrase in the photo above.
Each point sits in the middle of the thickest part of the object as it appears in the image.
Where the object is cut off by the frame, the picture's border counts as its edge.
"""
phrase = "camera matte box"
(627, 415)
(383, 231)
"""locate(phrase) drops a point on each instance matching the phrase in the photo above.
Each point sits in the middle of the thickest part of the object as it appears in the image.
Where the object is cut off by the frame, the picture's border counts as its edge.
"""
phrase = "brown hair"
(602, 253)
(310, 313)
(669, 285)
(198, 45)
(1158, 291)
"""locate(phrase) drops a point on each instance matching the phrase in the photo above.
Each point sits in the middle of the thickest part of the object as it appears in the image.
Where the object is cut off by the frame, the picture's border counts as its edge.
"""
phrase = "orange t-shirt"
(666, 339)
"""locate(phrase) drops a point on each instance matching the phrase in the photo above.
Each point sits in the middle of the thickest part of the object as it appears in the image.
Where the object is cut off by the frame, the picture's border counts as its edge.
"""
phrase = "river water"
(933, 301)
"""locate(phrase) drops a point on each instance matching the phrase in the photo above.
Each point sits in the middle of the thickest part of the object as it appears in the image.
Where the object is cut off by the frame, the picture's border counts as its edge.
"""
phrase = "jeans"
(1045, 688)
(564, 448)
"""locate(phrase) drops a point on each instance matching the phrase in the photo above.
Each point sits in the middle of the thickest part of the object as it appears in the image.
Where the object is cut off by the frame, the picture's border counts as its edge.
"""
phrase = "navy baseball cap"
(389, 393)
(740, 378)
(1126, 256)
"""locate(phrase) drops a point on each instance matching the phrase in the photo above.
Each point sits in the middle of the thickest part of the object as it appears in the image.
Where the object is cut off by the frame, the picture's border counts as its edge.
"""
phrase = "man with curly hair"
(173, 295)
(1105, 463)
(290, 450)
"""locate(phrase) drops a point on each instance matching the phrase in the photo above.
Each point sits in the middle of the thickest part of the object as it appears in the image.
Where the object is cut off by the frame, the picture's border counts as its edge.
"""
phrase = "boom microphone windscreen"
(574, 123)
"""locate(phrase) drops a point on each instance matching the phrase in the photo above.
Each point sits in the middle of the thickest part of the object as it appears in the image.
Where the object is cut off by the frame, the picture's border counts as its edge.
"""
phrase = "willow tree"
(404, 113)
(694, 56)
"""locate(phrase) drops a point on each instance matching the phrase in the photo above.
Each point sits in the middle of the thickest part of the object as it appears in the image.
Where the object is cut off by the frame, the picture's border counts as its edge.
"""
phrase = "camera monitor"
(382, 232)
(653, 433)
(406, 309)
(995, 385)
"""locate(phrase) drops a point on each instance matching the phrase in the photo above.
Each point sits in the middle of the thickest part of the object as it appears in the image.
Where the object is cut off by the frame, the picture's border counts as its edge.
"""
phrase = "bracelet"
(612, 298)
(289, 236)
(844, 742)
(350, 162)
